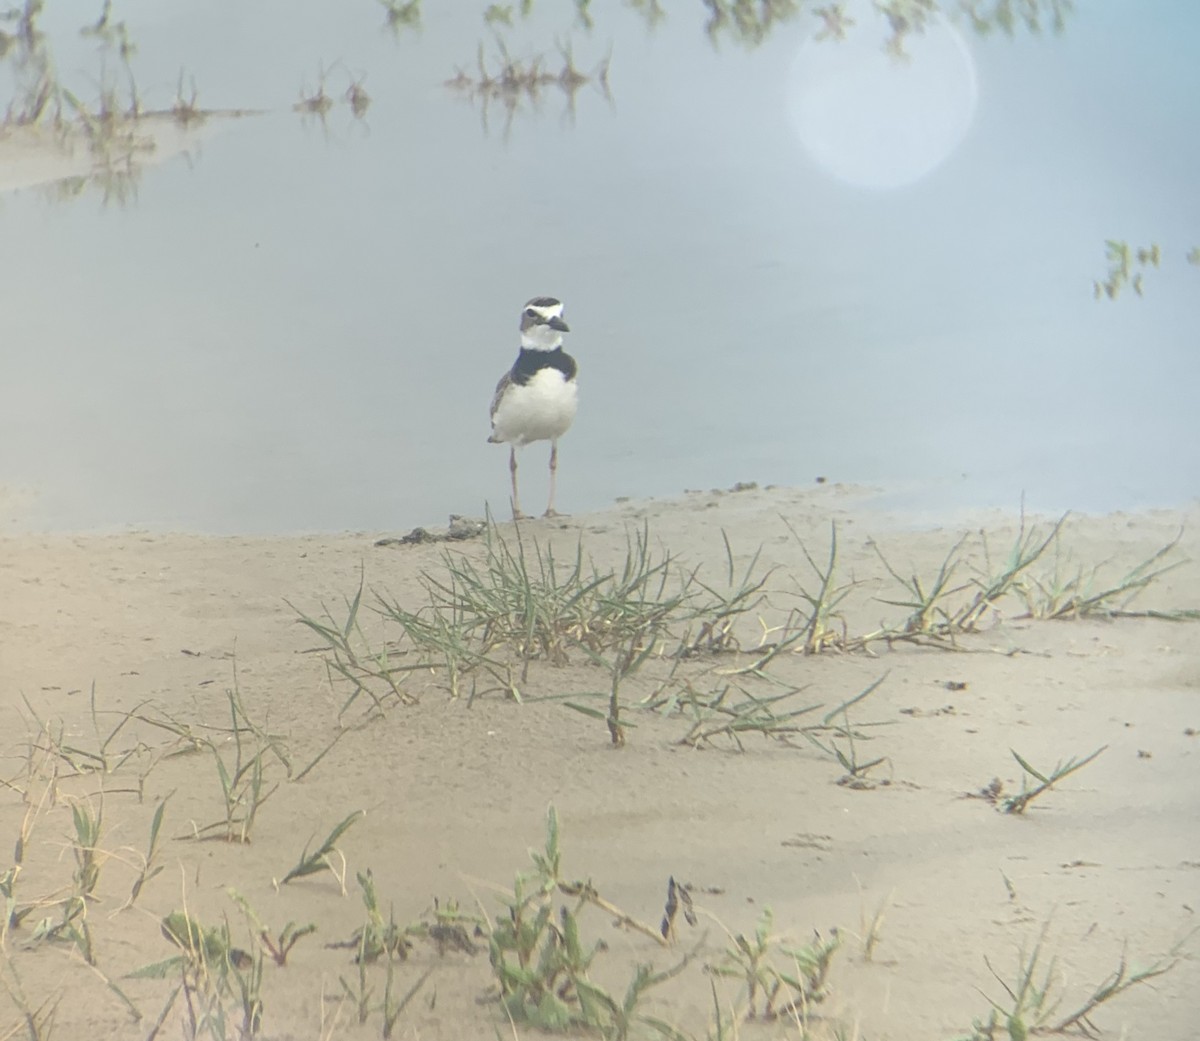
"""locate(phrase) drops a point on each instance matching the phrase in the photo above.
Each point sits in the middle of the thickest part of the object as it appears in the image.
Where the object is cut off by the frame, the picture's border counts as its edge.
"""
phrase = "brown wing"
(505, 382)
(501, 387)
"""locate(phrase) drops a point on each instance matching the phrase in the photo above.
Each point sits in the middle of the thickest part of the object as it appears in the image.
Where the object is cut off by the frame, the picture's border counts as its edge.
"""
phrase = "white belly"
(540, 410)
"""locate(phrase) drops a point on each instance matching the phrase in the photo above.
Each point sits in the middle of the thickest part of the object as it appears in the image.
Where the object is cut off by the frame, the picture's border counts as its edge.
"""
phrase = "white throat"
(541, 338)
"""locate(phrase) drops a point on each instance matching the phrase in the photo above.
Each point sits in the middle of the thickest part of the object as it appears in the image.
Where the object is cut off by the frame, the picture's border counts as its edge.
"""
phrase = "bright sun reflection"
(871, 119)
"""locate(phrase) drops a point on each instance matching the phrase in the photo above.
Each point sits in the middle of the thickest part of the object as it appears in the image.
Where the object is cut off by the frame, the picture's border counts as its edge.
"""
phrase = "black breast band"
(530, 362)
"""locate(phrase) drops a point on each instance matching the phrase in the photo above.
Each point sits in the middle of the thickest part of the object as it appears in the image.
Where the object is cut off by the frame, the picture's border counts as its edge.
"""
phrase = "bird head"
(542, 324)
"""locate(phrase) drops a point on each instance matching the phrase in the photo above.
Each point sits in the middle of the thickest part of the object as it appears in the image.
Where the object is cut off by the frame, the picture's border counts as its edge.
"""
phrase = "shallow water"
(296, 324)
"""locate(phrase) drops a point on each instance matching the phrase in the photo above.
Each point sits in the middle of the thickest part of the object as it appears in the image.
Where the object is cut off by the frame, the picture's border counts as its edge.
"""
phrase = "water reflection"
(119, 143)
(54, 140)
(511, 82)
(401, 15)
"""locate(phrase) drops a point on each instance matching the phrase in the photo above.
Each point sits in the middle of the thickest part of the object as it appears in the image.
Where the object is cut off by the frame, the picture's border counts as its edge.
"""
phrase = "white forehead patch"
(551, 311)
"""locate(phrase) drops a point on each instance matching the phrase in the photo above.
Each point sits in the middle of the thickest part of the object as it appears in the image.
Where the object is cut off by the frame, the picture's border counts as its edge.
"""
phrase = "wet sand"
(455, 790)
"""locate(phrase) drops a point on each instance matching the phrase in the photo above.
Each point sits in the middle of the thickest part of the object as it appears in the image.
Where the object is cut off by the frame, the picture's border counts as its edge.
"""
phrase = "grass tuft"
(1019, 803)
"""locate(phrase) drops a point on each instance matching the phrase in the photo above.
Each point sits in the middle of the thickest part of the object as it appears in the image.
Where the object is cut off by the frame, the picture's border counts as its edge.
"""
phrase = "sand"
(456, 790)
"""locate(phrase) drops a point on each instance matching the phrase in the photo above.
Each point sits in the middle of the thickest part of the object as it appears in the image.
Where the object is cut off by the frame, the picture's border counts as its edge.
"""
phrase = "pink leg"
(516, 499)
(550, 510)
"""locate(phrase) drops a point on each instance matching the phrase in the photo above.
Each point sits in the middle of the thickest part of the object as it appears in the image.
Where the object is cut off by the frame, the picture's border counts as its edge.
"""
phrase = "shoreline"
(913, 506)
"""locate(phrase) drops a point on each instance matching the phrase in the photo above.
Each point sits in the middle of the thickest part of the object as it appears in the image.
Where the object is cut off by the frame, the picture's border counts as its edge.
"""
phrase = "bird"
(536, 399)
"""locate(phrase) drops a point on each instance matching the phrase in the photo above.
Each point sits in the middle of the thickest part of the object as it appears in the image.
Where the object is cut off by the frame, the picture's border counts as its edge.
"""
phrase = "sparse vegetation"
(1034, 995)
(221, 984)
(779, 979)
(519, 605)
(244, 783)
(542, 962)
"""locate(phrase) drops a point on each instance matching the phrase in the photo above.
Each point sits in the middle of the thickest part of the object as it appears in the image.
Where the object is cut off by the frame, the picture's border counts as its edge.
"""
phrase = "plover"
(536, 399)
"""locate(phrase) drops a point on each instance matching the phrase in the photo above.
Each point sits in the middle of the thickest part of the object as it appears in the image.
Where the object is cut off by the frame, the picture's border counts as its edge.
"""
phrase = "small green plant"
(321, 859)
(149, 867)
(926, 612)
(354, 660)
(1019, 803)
(1034, 995)
(221, 984)
(932, 619)
(244, 785)
(277, 945)
(40, 791)
(359, 993)
(724, 607)
(542, 962)
(856, 769)
(71, 925)
(779, 979)
(732, 713)
(378, 935)
(1081, 594)
(998, 580)
(37, 1020)
(835, 726)
(393, 1005)
(439, 638)
(818, 632)
(103, 758)
(86, 846)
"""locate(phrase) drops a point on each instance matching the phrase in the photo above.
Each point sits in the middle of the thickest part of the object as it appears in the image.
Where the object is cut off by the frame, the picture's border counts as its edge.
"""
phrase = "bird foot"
(552, 512)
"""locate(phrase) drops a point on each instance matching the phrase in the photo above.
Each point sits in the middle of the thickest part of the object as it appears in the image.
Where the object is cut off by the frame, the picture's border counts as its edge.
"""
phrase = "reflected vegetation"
(1010, 16)
(750, 22)
(104, 142)
(400, 15)
(510, 83)
(1127, 266)
(316, 102)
